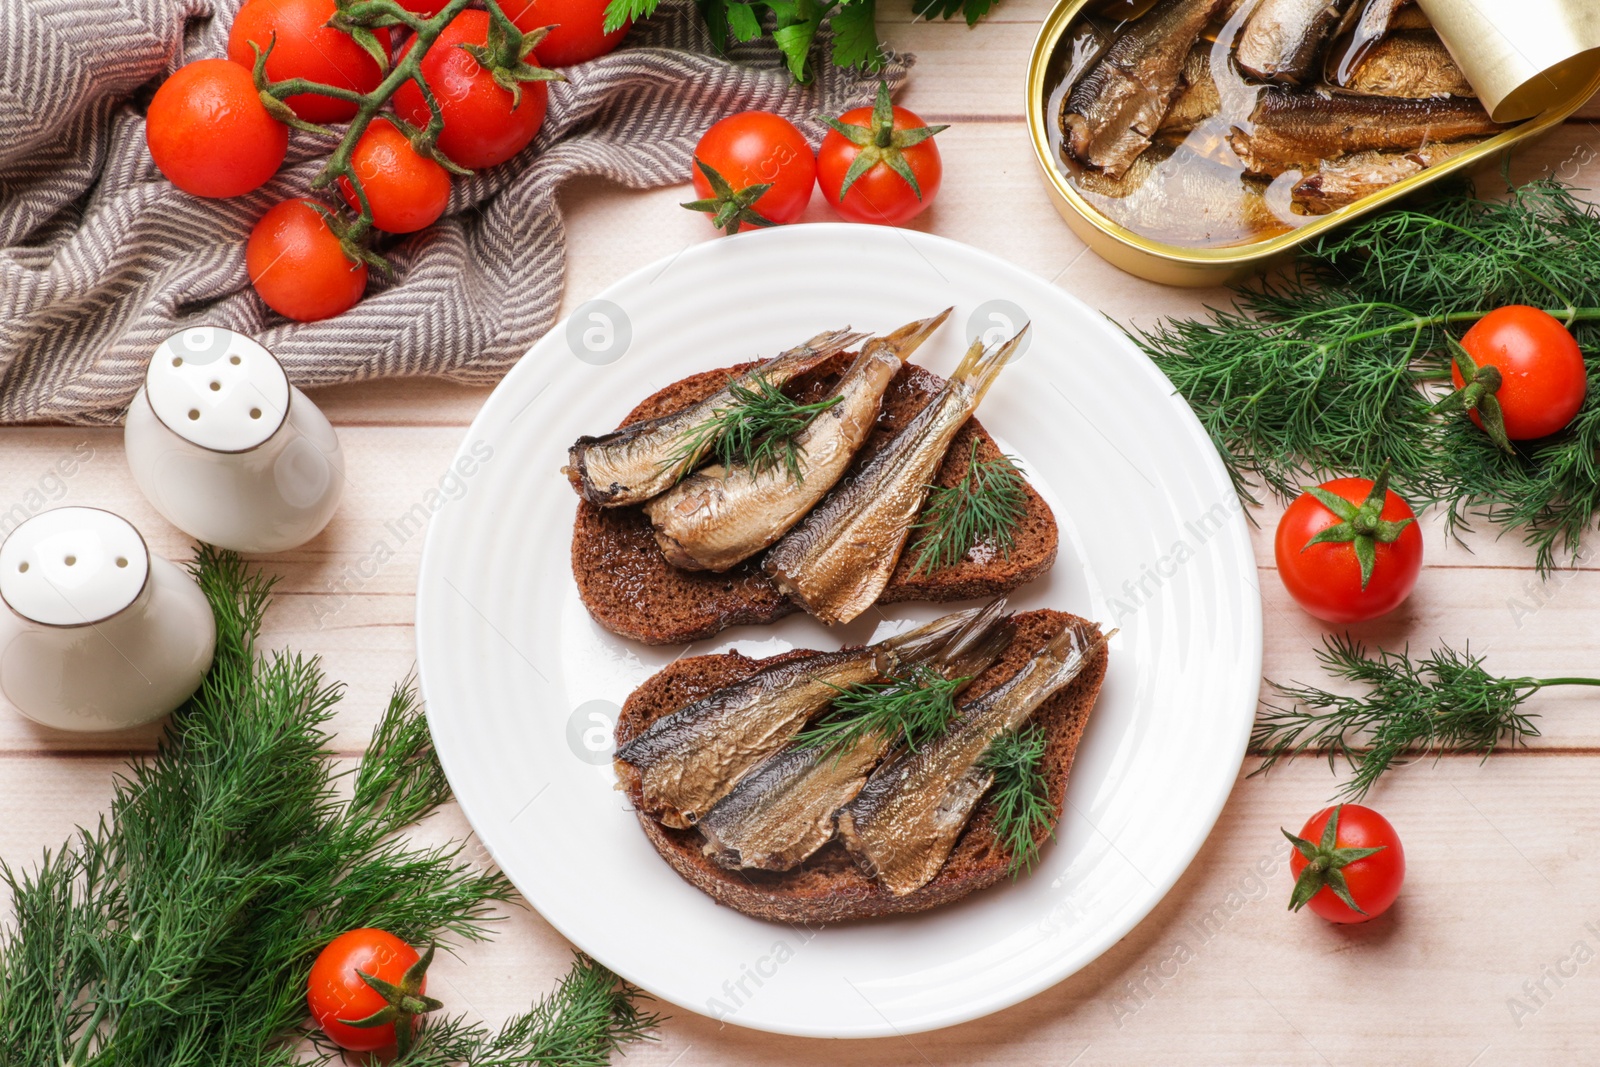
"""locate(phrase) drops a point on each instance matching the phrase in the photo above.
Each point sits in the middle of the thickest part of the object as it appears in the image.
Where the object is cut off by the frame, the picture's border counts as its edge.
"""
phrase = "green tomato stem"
(295, 86)
(378, 14)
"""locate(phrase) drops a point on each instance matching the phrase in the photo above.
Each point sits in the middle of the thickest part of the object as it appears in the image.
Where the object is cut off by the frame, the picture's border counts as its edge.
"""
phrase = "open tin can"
(1219, 259)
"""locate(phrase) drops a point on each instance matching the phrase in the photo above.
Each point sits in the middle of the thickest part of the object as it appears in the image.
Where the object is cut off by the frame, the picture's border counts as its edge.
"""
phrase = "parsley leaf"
(945, 9)
(619, 12)
(797, 25)
(743, 22)
(855, 36)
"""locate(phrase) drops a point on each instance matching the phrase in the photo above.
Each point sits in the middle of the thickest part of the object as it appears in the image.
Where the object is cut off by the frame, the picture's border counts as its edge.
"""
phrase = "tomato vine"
(505, 56)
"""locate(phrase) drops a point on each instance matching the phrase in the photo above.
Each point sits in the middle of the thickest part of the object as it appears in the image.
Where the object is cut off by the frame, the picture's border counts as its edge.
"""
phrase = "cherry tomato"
(1369, 878)
(337, 995)
(880, 195)
(576, 32)
(406, 191)
(1542, 374)
(1327, 579)
(426, 8)
(481, 127)
(756, 148)
(306, 48)
(297, 265)
(209, 133)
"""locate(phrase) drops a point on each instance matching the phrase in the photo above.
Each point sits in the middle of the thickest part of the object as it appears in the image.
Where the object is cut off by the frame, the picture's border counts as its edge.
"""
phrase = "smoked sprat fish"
(687, 761)
(1364, 25)
(836, 562)
(1297, 131)
(1199, 98)
(1112, 114)
(720, 516)
(906, 819)
(1415, 65)
(1349, 178)
(782, 812)
(635, 463)
(1282, 39)
(1410, 17)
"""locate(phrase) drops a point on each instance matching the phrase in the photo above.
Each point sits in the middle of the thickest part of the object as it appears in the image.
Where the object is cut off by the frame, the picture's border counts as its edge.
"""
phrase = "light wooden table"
(1492, 955)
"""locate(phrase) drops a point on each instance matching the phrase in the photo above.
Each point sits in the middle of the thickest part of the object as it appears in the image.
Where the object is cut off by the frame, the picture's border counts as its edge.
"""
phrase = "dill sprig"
(757, 430)
(588, 1017)
(1021, 795)
(1334, 366)
(1445, 702)
(179, 929)
(984, 506)
(911, 710)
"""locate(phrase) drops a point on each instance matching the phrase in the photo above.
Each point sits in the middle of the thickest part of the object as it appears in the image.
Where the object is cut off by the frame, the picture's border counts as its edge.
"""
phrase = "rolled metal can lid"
(1522, 56)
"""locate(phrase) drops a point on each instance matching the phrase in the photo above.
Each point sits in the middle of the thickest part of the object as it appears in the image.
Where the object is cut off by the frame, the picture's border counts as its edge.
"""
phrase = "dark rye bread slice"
(829, 887)
(631, 589)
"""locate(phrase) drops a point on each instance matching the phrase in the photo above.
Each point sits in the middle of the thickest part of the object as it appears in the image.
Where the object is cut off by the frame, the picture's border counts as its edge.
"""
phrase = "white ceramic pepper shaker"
(96, 633)
(227, 450)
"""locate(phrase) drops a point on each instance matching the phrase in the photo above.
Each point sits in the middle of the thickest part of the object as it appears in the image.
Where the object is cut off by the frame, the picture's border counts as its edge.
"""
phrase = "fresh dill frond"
(587, 1018)
(1021, 795)
(1335, 366)
(912, 710)
(1445, 702)
(757, 430)
(179, 929)
(985, 506)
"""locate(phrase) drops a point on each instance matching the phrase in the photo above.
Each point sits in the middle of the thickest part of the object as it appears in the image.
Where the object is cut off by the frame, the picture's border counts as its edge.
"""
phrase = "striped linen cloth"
(101, 258)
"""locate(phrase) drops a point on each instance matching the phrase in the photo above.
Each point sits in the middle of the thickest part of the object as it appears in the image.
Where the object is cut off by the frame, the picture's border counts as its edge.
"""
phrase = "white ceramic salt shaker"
(227, 450)
(96, 633)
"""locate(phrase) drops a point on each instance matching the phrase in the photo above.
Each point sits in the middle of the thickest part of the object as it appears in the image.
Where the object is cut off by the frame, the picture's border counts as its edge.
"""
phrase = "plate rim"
(1251, 653)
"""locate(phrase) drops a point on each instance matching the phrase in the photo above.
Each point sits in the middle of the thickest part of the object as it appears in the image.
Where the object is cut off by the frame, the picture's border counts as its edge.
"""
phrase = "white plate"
(522, 686)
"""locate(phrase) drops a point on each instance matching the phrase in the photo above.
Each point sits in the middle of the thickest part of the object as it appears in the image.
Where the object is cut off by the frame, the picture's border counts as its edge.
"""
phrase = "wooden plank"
(1500, 859)
(981, 71)
(403, 401)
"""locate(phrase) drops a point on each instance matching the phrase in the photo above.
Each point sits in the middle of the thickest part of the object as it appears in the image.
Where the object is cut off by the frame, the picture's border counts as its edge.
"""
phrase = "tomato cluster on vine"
(429, 88)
